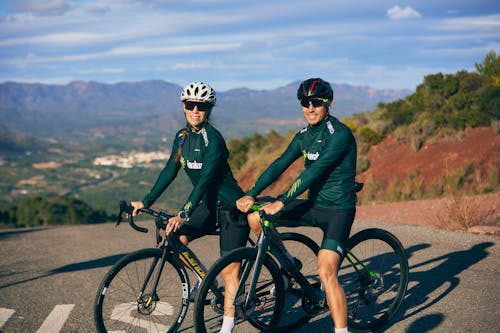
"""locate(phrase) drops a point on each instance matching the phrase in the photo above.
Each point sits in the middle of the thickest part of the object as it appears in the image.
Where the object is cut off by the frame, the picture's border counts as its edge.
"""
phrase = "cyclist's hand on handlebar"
(174, 224)
(245, 203)
(137, 206)
(273, 207)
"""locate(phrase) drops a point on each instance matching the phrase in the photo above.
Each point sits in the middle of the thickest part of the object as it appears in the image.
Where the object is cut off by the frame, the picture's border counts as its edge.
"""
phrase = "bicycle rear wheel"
(121, 307)
(375, 281)
(305, 250)
(265, 308)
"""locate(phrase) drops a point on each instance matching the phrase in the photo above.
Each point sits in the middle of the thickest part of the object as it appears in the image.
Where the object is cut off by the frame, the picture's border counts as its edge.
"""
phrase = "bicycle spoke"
(374, 279)
(123, 308)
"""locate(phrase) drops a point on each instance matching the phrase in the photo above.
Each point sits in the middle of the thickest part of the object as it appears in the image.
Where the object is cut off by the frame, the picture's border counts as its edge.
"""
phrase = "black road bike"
(149, 290)
(276, 294)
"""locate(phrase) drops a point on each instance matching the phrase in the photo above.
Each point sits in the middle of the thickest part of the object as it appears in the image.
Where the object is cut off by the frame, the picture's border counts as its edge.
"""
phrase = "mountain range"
(80, 109)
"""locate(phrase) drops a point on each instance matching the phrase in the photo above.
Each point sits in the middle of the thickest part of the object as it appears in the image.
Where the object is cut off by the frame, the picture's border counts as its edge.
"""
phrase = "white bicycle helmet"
(198, 91)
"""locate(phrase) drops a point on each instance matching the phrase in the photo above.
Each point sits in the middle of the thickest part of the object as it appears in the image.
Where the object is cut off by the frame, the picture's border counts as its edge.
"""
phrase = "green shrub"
(362, 164)
(370, 135)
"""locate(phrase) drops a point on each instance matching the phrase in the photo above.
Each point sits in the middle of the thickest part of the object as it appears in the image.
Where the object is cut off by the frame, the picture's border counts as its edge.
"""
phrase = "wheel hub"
(146, 304)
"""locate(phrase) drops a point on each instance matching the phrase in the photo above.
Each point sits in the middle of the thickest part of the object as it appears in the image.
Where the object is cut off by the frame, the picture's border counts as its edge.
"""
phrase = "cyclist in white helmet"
(201, 151)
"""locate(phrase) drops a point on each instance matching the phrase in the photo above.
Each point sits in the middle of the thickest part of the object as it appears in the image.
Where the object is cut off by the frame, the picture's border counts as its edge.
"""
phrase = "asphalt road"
(49, 277)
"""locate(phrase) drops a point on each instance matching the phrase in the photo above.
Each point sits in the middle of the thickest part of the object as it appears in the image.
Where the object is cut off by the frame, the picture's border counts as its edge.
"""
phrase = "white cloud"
(488, 22)
(100, 71)
(127, 51)
(59, 38)
(42, 8)
(398, 13)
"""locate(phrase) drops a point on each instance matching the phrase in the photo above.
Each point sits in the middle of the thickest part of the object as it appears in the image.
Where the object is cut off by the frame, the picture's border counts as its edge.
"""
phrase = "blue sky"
(255, 44)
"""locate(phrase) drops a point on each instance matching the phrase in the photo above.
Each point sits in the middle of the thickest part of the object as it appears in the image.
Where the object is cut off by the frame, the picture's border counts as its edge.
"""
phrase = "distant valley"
(85, 111)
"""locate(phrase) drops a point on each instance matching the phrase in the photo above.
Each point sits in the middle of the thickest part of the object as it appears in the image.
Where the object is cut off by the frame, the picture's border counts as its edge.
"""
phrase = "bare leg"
(184, 241)
(254, 222)
(231, 280)
(328, 262)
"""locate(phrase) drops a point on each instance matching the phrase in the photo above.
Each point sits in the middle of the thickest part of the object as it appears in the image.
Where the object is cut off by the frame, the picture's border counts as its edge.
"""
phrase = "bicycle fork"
(146, 302)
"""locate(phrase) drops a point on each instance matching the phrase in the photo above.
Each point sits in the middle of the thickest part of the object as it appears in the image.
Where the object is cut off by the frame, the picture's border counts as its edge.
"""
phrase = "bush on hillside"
(37, 211)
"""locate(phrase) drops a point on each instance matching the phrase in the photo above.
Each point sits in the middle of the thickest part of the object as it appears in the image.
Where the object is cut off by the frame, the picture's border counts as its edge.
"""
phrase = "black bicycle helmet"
(315, 88)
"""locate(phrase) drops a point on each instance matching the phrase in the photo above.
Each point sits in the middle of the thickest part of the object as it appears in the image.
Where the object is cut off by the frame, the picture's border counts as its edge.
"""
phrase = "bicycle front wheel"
(374, 274)
(125, 301)
(263, 311)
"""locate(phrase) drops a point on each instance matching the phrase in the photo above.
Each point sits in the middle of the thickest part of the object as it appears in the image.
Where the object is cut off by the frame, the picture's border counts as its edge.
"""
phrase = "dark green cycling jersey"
(204, 158)
(329, 153)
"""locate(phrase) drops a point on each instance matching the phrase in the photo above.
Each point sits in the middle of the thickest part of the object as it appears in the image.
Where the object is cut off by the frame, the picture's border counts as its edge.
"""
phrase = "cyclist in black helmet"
(201, 151)
(329, 152)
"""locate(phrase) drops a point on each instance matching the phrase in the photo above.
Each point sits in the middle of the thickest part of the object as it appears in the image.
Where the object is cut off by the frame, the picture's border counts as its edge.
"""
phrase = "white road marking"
(56, 318)
(5, 315)
(123, 313)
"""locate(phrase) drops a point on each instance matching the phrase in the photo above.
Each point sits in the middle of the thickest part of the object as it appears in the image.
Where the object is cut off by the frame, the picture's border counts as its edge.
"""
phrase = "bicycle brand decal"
(185, 291)
(194, 263)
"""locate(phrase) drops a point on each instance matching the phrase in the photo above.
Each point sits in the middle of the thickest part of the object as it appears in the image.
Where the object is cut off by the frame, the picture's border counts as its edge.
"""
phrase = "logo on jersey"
(330, 127)
(194, 165)
(187, 206)
(205, 136)
(293, 188)
(312, 156)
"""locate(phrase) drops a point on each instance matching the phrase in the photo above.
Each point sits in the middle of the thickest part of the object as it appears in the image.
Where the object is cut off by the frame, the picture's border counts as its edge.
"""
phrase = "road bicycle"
(272, 288)
(149, 290)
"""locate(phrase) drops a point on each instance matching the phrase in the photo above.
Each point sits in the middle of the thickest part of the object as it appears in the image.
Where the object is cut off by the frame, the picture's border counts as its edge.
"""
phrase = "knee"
(326, 272)
(254, 222)
(230, 270)
(184, 239)
(327, 266)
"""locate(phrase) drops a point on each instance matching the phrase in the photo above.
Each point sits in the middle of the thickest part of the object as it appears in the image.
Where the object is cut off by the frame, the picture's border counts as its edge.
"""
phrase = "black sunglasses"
(314, 102)
(202, 107)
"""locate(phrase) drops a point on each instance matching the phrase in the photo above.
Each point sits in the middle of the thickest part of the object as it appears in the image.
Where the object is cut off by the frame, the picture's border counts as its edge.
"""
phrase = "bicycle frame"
(171, 246)
(269, 239)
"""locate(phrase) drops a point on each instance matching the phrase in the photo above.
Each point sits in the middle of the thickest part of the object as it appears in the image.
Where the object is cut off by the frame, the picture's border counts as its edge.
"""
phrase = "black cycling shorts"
(204, 220)
(336, 223)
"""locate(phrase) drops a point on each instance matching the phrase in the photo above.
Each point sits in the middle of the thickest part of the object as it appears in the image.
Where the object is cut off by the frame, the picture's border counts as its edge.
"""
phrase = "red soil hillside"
(391, 160)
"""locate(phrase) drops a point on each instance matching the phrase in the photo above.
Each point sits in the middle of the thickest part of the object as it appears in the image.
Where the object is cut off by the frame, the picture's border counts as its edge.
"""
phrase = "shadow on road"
(96, 263)
(441, 274)
(84, 265)
(10, 233)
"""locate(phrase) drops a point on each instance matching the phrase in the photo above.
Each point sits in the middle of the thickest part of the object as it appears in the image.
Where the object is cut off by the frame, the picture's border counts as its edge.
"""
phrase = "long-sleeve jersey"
(329, 153)
(204, 159)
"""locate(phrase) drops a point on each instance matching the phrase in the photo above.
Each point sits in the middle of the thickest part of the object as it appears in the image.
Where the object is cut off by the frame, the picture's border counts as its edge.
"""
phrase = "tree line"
(442, 101)
(39, 211)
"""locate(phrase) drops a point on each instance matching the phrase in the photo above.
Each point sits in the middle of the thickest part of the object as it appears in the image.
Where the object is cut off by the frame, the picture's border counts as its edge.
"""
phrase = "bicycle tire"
(266, 312)
(306, 251)
(373, 301)
(119, 305)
